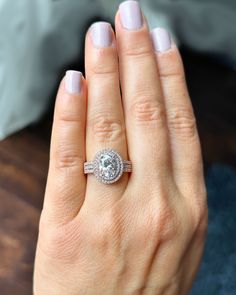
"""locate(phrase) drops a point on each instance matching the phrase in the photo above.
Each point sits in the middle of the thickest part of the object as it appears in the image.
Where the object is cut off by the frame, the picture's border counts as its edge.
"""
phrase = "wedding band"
(107, 166)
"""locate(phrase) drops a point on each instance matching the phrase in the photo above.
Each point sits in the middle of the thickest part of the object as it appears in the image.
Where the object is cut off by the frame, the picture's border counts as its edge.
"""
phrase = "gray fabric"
(39, 38)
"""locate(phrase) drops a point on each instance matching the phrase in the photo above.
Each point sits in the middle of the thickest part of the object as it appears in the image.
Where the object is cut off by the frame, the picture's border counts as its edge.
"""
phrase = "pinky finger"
(66, 181)
(186, 151)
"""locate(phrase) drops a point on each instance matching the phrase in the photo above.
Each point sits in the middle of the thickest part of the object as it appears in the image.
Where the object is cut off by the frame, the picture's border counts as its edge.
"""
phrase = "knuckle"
(66, 156)
(99, 237)
(136, 45)
(104, 64)
(148, 228)
(104, 70)
(170, 225)
(159, 223)
(203, 222)
(67, 112)
(67, 118)
(171, 66)
(147, 109)
(182, 121)
(137, 52)
(198, 224)
(173, 73)
(199, 217)
(107, 128)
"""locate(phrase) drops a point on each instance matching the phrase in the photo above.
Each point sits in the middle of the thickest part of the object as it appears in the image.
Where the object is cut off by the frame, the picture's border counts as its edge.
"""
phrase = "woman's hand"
(145, 233)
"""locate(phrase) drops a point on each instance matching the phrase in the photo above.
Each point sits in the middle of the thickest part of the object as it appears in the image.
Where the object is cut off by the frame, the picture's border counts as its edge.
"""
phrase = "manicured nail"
(73, 82)
(101, 34)
(131, 15)
(161, 40)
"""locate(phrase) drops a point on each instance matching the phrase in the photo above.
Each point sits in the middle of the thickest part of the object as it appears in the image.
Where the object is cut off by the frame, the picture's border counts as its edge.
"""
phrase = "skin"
(145, 233)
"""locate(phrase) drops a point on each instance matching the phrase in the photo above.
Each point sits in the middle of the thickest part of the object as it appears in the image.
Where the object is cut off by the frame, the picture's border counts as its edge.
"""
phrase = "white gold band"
(88, 167)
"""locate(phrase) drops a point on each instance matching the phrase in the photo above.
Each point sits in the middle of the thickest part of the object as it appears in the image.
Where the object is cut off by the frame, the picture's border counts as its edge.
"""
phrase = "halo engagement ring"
(107, 166)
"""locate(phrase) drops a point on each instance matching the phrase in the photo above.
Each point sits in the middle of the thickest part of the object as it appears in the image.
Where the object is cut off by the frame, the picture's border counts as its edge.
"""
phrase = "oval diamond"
(108, 166)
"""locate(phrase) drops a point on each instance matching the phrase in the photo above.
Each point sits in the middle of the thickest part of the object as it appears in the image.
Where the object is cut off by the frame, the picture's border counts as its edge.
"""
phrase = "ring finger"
(105, 119)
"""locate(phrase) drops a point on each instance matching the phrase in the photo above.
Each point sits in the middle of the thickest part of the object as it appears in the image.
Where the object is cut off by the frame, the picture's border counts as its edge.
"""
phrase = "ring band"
(107, 166)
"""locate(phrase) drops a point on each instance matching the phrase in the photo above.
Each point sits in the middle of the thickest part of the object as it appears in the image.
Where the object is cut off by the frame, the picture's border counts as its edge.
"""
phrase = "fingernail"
(161, 40)
(131, 15)
(101, 34)
(73, 82)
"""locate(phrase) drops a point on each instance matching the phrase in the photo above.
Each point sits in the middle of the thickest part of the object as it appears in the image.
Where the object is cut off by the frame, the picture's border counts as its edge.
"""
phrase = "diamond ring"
(107, 166)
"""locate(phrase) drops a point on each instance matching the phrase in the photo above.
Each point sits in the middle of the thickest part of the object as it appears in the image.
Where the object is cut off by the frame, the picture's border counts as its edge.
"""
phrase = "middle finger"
(146, 127)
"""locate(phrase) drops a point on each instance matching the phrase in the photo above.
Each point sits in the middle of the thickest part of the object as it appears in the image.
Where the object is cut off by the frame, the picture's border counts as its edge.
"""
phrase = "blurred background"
(39, 41)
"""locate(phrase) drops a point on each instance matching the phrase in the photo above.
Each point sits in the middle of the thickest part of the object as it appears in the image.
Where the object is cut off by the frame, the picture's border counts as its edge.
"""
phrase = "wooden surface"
(23, 169)
(24, 163)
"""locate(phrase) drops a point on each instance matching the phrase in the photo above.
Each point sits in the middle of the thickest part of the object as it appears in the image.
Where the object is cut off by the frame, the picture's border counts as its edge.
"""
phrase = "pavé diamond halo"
(107, 166)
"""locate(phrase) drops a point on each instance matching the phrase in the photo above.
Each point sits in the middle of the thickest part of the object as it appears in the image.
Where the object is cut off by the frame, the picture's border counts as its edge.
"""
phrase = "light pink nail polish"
(73, 82)
(161, 40)
(131, 15)
(101, 34)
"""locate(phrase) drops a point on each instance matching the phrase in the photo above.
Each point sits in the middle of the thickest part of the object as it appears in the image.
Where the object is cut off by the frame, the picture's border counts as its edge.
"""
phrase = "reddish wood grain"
(23, 171)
